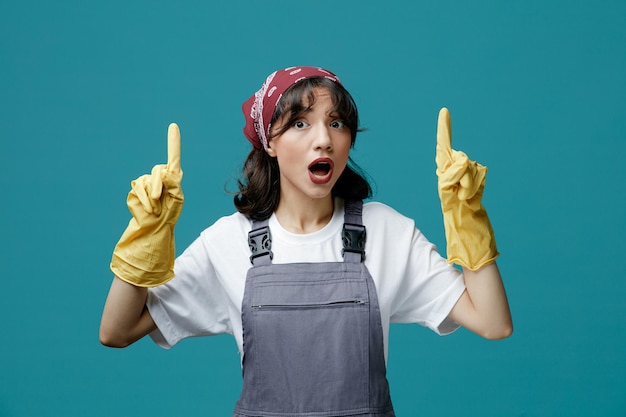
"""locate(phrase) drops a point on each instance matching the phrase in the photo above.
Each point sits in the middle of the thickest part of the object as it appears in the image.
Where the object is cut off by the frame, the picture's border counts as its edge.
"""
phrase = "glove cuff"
(474, 262)
(470, 240)
(138, 277)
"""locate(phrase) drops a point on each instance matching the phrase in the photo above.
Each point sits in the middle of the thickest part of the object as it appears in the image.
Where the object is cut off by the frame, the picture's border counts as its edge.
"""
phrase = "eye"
(337, 124)
(300, 124)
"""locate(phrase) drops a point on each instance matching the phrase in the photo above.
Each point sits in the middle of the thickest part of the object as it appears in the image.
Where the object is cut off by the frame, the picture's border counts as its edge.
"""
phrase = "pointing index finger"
(444, 130)
(173, 148)
(444, 139)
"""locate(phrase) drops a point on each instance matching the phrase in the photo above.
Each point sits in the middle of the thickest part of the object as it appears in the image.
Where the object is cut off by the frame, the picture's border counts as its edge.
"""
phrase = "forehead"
(315, 98)
(319, 97)
(313, 94)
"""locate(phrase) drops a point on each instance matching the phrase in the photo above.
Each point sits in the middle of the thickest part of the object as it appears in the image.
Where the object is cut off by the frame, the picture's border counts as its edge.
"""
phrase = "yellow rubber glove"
(461, 182)
(144, 255)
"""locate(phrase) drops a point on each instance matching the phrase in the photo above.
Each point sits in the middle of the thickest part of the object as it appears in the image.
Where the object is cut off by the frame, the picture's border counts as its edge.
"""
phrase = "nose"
(323, 138)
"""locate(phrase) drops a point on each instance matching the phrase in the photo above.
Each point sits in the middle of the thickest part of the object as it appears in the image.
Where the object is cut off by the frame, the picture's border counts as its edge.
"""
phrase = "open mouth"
(321, 170)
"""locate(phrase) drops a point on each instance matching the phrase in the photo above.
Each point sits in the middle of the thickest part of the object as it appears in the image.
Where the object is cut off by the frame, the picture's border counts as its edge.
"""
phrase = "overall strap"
(353, 233)
(260, 242)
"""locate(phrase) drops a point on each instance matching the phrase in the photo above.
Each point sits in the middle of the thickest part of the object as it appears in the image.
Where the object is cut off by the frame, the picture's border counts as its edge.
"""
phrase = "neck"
(304, 217)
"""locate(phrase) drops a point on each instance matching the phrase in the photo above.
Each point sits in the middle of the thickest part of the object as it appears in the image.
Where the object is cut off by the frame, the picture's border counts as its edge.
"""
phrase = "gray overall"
(312, 333)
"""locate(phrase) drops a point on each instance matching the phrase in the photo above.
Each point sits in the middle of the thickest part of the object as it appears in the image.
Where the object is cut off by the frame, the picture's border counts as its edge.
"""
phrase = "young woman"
(305, 276)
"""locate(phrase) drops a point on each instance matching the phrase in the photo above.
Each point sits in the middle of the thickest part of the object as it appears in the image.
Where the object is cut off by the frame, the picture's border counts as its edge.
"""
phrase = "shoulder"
(235, 224)
(379, 214)
(227, 234)
(385, 226)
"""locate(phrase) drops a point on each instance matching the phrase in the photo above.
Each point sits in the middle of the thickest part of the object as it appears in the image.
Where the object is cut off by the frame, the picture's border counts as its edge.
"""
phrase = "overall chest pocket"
(310, 342)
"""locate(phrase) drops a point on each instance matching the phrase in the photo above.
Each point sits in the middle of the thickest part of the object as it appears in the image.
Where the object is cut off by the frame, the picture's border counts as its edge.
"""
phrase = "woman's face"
(313, 152)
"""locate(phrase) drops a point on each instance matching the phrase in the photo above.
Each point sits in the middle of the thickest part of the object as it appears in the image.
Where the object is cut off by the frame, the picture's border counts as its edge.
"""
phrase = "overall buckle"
(353, 238)
(260, 243)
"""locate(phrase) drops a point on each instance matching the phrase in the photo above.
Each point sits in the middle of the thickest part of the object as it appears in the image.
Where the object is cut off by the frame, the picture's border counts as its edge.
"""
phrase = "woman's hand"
(144, 255)
(469, 236)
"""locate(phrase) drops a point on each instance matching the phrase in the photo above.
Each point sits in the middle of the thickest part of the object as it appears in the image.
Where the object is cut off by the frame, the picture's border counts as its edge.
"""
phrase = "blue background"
(536, 89)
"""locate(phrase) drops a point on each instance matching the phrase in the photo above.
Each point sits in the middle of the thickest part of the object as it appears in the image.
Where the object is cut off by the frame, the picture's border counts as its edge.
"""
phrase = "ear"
(270, 151)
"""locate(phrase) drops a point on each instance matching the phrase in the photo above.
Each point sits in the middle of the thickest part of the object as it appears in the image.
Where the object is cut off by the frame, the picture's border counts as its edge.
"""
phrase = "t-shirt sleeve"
(193, 303)
(415, 281)
(430, 288)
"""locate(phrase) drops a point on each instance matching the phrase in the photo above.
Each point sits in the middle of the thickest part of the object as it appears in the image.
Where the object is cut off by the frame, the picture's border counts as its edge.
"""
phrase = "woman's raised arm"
(483, 308)
(144, 255)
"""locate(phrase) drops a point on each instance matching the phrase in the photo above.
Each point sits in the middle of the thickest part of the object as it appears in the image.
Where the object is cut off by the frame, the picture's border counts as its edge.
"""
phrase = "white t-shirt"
(414, 283)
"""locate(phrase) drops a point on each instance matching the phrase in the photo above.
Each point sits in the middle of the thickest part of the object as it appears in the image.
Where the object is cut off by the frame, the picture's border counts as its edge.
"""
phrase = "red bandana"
(259, 109)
